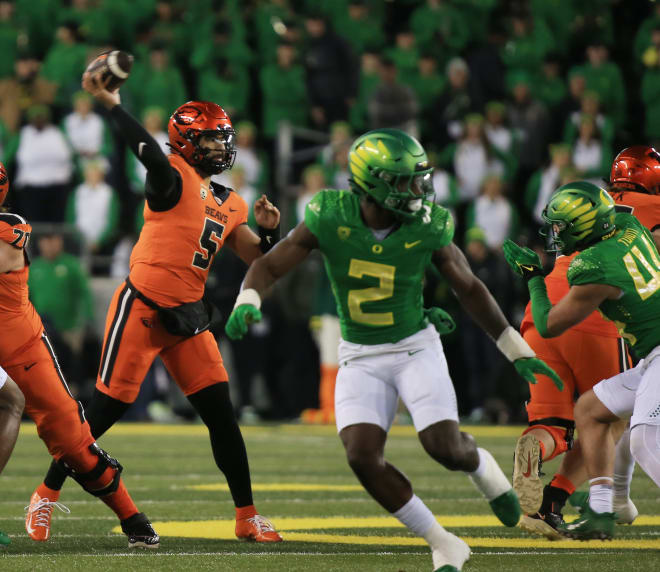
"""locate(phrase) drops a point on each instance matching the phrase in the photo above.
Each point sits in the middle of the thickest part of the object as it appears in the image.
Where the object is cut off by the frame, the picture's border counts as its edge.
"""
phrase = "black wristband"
(269, 237)
(529, 274)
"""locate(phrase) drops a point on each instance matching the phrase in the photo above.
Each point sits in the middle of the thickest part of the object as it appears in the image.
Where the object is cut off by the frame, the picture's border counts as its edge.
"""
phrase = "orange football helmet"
(195, 119)
(4, 183)
(637, 169)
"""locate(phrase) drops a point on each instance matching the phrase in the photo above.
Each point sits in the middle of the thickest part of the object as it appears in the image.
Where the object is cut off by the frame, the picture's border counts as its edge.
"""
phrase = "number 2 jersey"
(629, 261)
(171, 260)
(377, 284)
(20, 324)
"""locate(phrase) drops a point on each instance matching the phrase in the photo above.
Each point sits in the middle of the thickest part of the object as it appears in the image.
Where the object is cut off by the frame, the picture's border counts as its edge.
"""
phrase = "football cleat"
(526, 467)
(626, 511)
(257, 529)
(38, 515)
(579, 500)
(543, 524)
(140, 532)
(451, 556)
(590, 525)
(4, 539)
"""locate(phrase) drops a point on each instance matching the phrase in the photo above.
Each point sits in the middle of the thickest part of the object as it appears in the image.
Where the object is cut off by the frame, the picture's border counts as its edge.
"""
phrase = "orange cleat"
(37, 519)
(257, 528)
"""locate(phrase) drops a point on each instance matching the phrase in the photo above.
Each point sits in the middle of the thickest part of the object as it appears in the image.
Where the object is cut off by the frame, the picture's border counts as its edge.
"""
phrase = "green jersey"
(629, 261)
(377, 284)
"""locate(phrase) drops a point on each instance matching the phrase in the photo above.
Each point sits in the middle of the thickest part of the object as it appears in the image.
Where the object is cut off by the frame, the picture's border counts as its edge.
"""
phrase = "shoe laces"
(42, 511)
(262, 523)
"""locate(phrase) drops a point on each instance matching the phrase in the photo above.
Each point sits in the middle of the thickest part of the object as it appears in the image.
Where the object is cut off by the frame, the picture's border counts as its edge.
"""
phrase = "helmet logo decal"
(187, 115)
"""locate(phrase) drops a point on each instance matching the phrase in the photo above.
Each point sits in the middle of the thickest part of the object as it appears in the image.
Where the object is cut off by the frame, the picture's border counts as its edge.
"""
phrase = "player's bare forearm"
(470, 291)
(288, 253)
(577, 305)
(245, 243)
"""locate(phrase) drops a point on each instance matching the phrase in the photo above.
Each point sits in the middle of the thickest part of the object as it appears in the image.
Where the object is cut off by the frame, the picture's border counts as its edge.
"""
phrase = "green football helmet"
(392, 168)
(578, 215)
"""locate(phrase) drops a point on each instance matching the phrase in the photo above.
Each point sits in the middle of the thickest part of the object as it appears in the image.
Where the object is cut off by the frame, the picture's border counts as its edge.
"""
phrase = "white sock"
(645, 446)
(488, 477)
(624, 465)
(600, 496)
(416, 516)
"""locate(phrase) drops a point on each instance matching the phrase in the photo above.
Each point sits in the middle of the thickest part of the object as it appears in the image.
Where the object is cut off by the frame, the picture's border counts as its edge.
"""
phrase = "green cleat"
(507, 508)
(590, 525)
(447, 568)
(579, 500)
(4, 539)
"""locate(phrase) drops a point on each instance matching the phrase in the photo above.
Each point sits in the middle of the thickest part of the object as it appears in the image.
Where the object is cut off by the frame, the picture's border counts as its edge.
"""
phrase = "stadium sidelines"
(224, 530)
(308, 430)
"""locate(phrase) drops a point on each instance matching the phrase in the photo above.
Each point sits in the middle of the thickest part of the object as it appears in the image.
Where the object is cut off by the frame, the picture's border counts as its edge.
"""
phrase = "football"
(115, 64)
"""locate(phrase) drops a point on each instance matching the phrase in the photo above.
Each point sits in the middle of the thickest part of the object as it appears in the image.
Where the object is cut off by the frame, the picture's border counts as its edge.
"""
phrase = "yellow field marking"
(291, 527)
(297, 487)
(201, 430)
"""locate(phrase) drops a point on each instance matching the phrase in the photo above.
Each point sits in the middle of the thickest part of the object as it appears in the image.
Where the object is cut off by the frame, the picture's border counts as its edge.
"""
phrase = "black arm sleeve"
(163, 186)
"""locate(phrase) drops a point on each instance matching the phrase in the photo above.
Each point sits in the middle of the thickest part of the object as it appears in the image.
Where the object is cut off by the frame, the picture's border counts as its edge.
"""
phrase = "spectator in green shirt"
(437, 24)
(530, 40)
(550, 87)
(650, 93)
(361, 27)
(60, 292)
(604, 77)
(8, 38)
(405, 55)
(426, 81)
(284, 92)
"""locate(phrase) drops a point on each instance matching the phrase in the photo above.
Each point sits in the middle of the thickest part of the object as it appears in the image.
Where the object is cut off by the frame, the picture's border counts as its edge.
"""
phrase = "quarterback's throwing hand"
(266, 213)
(523, 260)
(527, 367)
(442, 321)
(240, 318)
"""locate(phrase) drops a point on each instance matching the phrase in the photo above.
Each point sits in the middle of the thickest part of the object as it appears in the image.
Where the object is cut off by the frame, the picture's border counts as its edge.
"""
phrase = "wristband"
(248, 296)
(269, 237)
(513, 346)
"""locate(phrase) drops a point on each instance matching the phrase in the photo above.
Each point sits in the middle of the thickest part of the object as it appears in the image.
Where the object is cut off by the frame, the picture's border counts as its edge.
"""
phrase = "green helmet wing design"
(393, 169)
(578, 215)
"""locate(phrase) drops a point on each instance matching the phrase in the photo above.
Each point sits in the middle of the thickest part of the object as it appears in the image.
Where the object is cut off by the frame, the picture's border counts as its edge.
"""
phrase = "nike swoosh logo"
(29, 528)
(199, 330)
(231, 210)
(529, 467)
(411, 244)
(413, 352)
(528, 268)
(27, 367)
(141, 146)
(269, 239)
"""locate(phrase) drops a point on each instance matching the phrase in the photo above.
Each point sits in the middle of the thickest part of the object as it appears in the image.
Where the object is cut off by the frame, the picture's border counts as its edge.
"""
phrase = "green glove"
(239, 319)
(442, 321)
(523, 260)
(527, 367)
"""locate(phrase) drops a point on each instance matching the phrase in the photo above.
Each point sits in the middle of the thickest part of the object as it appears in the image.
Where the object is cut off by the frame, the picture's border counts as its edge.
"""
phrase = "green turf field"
(303, 484)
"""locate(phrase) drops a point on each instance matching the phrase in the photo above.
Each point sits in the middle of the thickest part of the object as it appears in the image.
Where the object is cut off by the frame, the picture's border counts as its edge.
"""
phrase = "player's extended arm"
(250, 246)
(11, 409)
(551, 321)
(263, 273)
(11, 258)
(484, 310)
(163, 188)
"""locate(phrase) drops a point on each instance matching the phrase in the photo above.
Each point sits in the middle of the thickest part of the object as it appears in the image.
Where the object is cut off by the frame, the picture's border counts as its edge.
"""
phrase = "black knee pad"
(85, 479)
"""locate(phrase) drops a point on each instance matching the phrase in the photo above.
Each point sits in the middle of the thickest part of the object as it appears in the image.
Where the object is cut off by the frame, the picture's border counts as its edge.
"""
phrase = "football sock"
(417, 517)
(556, 494)
(216, 410)
(645, 446)
(55, 477)
(488, 477)
(624, 465)
(45, 491)
(600, 496)
(245, 512)
(121, 502)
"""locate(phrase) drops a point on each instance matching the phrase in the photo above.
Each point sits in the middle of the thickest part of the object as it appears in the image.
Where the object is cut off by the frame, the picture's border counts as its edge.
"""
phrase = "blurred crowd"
(511, 98)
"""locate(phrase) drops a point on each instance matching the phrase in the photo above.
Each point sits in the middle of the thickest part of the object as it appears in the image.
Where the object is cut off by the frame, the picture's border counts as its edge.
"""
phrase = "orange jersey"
(171, 260)
(20, 323)
(647, 209)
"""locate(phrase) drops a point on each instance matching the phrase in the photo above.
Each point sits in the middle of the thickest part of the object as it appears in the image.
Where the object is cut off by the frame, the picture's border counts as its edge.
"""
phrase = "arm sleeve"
(541, 304)
(163, 187)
